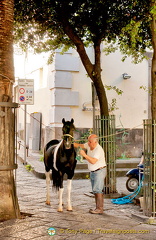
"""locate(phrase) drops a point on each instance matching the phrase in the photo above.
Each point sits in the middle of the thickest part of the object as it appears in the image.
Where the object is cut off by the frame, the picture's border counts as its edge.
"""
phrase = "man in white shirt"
(97, 166)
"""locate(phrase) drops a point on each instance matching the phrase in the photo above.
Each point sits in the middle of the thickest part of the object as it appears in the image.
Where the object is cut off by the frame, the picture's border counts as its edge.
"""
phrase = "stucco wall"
(133, 103)
(63, 89)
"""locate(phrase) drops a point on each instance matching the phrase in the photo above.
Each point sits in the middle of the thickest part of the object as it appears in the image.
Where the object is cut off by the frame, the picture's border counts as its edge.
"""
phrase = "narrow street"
(117, 221)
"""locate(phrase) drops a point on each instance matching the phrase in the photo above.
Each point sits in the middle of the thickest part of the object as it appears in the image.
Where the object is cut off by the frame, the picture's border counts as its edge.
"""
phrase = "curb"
(79, 174)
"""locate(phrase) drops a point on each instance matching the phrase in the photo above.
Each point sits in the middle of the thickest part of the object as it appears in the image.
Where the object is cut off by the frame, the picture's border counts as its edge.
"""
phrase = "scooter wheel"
(132, 184)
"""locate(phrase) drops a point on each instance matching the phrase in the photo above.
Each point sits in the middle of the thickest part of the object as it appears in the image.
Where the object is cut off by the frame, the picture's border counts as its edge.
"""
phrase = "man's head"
(92, 141)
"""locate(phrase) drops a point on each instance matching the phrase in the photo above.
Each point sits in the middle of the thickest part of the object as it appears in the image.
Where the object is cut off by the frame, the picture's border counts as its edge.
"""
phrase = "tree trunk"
(8, 201)
(153, 97)
(93, 70)
(101, 96)
(153, 104)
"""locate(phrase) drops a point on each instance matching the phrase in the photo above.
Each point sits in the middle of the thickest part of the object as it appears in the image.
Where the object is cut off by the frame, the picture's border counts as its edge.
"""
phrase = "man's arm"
(88, 158)
(76, 145)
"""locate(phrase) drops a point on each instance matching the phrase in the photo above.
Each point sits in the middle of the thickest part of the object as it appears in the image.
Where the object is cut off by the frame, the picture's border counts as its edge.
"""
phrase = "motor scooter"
(134, 177)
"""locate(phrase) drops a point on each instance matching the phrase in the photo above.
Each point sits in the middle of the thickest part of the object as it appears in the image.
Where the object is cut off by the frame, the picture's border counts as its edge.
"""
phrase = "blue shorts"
(97, 180)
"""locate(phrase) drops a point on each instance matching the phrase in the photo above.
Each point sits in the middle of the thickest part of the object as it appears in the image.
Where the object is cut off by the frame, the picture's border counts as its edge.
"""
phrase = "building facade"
(63, 90)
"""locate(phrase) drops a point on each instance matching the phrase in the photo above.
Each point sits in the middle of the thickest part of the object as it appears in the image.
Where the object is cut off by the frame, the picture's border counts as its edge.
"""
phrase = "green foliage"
(134, 41)
(135, 37)
(28, 168)
(87, 176)
(84, 136)
(121, 134)
(41, 158)
(146, 89)
(117, 90)
(43, 24)
(113, 104)
(47, 25)
(110, 47)
(153, 11)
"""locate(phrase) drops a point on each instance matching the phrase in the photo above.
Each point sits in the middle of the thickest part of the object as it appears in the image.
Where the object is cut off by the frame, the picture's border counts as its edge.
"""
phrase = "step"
(121, 172)
(83, 165)
(81, 174)
(129, 163)
(126, 164)
(81, 171)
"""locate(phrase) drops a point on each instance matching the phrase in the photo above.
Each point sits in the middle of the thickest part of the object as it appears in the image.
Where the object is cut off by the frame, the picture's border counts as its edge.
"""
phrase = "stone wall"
(129, 142)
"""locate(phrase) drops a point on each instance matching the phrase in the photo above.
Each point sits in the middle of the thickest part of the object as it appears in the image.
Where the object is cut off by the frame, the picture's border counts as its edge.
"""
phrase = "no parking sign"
(26, 91)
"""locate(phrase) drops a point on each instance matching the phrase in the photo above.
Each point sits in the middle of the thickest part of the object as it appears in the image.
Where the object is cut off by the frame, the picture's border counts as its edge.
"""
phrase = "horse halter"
(68, 135)
(67, 142)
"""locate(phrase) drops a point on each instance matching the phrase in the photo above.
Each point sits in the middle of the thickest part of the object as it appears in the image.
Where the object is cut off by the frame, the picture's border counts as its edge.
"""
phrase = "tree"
(136, 38)
(8, 202)
(47, 25)
(153, 30)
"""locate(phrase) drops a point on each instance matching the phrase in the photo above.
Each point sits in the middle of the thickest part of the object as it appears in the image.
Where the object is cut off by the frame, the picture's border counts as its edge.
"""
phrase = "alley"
(44, 222)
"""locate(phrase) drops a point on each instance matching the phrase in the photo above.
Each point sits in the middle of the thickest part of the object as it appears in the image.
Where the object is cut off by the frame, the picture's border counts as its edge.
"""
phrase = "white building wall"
(62, 89)
(63, 98)
(82, 83)
(133, 103)
(35, 67)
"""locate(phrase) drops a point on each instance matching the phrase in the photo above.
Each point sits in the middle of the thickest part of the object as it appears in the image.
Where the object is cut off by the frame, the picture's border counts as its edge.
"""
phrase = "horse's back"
(49, 153)
(51, 143)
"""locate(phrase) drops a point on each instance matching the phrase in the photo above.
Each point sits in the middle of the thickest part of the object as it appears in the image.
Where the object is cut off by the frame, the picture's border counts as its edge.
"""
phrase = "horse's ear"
(63, 120)
(72, 120)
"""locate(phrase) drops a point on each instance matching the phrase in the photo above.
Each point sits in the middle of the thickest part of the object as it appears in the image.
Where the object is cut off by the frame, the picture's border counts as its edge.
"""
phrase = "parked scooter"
(134, 177)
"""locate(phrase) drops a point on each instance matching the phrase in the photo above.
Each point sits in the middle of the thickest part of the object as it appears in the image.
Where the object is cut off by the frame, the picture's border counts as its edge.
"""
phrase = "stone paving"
(43, 222)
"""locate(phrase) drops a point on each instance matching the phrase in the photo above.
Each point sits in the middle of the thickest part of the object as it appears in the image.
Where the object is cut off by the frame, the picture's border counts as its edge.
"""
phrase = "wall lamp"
(126, 76)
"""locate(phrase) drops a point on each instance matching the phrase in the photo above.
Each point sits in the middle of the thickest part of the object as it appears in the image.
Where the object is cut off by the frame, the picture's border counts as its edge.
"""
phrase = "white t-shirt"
(97, 153)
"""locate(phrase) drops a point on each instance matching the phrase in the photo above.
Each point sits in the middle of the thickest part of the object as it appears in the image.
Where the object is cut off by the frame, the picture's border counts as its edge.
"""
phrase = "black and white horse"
(59, 156)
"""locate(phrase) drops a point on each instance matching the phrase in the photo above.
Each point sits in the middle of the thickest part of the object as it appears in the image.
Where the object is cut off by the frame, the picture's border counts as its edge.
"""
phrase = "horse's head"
(68, 131)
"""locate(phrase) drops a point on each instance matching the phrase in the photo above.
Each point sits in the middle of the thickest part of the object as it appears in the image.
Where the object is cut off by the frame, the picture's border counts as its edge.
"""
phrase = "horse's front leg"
(69, 186)
(60, 207)
(48, 188)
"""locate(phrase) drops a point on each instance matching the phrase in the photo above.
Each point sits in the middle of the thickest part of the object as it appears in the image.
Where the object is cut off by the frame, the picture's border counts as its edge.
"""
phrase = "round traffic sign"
(22, 90)
(22, 98)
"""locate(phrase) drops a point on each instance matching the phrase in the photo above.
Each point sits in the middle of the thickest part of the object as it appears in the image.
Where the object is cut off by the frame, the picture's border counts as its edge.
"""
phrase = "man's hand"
(89, 159)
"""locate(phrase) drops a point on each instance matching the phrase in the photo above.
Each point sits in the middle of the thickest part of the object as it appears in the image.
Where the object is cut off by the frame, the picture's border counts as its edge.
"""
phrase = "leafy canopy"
(136, 36)
(47, 24)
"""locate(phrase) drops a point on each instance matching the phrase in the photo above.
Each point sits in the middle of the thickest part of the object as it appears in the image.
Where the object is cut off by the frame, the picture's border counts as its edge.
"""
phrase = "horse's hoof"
(47, 202)
(60, 210)
(69, 209)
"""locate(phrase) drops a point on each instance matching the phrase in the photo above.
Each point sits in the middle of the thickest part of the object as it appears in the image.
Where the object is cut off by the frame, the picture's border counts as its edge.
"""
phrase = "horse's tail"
(56, 179)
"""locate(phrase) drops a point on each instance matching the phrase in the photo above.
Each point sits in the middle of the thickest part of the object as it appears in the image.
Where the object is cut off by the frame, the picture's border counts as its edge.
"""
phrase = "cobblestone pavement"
(117, 222)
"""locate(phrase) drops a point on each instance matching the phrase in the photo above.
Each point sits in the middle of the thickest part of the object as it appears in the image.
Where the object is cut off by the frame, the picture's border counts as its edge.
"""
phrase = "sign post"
(25, 97)
(26, 91)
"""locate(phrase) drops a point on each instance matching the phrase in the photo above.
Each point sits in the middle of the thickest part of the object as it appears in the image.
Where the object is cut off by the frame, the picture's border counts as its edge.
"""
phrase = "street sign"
(26, 91)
